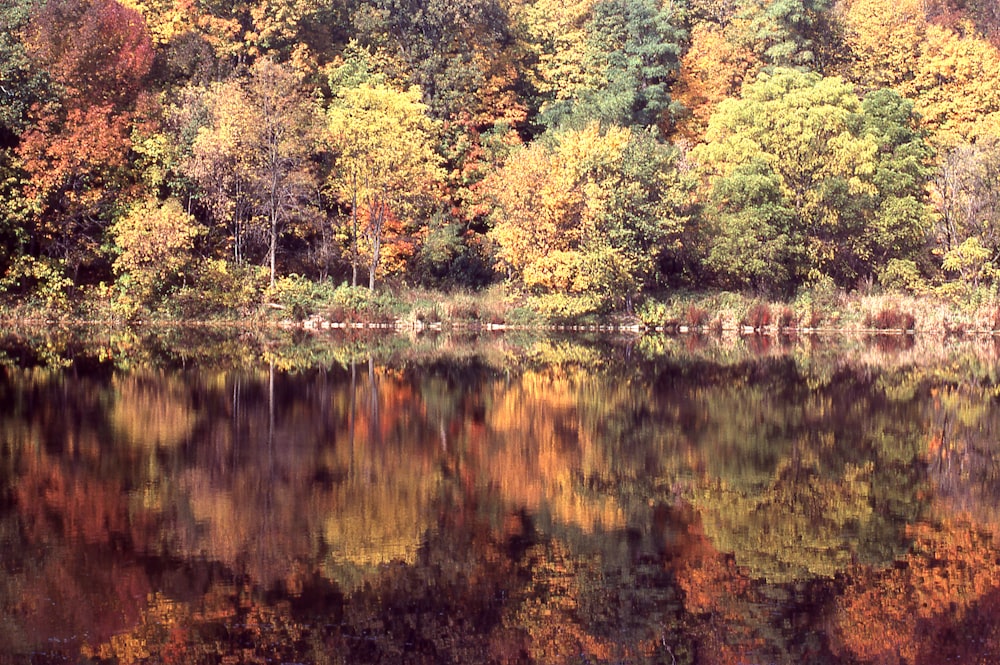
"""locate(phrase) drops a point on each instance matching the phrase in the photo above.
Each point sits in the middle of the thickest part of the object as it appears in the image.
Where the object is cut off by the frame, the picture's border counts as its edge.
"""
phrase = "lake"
(214, 496)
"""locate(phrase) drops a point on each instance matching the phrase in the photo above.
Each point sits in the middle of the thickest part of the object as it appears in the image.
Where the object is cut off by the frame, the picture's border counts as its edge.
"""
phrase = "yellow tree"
(952, 76)
(712, 69)
(154, 243)
(587, 213)
(253, 157)
(385, 164)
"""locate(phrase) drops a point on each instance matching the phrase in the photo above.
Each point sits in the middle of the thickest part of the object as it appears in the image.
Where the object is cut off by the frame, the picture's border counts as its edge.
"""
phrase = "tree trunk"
(354, 235)
(274, 244)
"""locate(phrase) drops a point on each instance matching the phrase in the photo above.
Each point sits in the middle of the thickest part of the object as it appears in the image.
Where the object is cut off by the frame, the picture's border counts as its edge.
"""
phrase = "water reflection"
(500, 500)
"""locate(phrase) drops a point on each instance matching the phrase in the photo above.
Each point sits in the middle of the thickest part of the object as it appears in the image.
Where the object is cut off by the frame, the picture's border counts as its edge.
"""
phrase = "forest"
(197, 156)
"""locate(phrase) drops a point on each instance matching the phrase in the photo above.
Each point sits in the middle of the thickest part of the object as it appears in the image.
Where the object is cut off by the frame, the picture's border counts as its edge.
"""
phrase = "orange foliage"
(712, 69)
(905, 614)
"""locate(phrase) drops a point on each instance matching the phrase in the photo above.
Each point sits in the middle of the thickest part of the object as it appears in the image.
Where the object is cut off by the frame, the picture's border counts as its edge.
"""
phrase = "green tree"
(803, 169)
(631, 57)
(462, 54)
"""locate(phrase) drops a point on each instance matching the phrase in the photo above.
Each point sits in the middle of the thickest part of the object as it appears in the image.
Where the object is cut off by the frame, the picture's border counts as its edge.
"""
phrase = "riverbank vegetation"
(757, 164)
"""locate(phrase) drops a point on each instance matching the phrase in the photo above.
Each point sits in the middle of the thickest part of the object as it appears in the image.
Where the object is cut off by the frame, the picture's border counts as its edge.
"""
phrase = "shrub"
(757, 317)
(696, 316)
(652, 313)
(43, 278)
(564, 307)
(890, 318)
(222, 288)
(301, 297)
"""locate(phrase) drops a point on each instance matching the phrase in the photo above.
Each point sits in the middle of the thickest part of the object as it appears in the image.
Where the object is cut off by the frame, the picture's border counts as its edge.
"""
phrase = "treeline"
(589, 152)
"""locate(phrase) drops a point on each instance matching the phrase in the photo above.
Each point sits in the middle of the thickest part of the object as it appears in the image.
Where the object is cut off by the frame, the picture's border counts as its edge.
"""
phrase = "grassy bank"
(296, 302)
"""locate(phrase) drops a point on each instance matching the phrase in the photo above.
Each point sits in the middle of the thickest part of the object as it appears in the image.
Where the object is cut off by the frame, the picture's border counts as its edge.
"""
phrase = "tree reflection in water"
(509, 500)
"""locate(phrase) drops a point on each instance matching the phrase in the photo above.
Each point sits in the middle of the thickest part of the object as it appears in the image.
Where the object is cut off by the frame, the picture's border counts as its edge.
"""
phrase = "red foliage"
(98, 54)
(98, 51)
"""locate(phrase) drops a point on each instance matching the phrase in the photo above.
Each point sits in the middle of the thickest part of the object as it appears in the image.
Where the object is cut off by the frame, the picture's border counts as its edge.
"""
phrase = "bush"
(43, 279)
(357, 303)
(757, 317)
(301, 297)
(562, 307)
(891, 318)
(902, 275)
(222, 289)
(652, 313)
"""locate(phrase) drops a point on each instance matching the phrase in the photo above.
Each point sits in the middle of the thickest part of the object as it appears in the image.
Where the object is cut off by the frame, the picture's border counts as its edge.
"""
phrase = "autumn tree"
(952, 76)
(385, 167)
(252, 159)
(97, 54)
(586, 212)
(967, 198)
(154, 244)
(21, 86)
(554, 36)
(805, 179)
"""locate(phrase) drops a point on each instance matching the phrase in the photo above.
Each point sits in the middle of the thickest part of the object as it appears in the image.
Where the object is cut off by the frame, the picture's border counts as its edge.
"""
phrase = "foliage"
(45, 279)
(253, 157)
(629, 60)
(154, 244)
(806, 180)
(587, 214)
(594, 148)
(386, 170)
(75, 149)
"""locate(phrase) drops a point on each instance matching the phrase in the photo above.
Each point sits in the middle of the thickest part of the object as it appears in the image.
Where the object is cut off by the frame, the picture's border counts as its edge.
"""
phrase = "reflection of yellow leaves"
(544, 447)
(153, 412)
(801, 526)
(381, 521)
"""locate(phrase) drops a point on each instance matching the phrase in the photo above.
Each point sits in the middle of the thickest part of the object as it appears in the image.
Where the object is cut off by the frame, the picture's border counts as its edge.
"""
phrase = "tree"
(461, 54)
(711, 70)
(282, 179)
(253, 157)
(952, 76)
(818, 179)
(631, 57)
(788, 33)
(154, 244)
(967, 199)
(75, 152)
(385, 165)
(586, 212)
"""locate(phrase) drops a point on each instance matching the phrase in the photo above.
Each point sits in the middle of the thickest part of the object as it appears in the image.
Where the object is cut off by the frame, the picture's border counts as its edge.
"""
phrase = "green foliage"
(789, 33)
(565, 307)
(299, 297)
(386, 170)
(22, 84)
(220, 288)
(630, 58)
(805, 175)
(902, 275)
(41, 279)
(589, 213)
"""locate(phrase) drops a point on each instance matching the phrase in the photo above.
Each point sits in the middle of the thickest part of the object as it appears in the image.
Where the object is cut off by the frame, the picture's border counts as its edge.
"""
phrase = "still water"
(212, 497)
